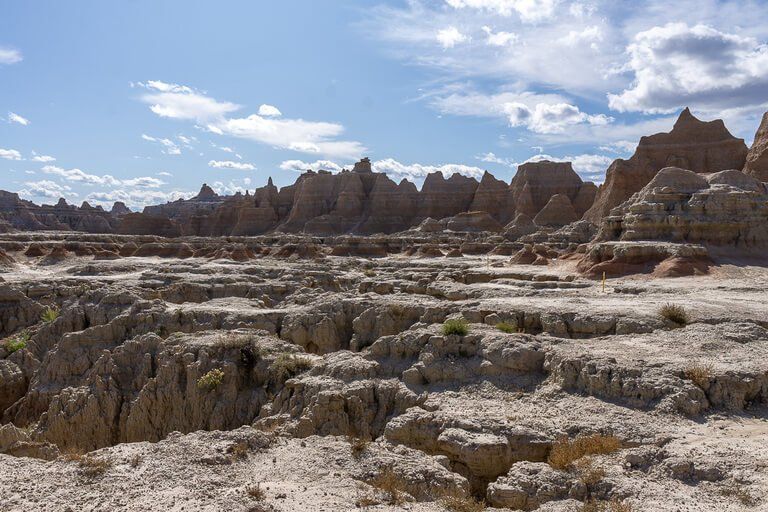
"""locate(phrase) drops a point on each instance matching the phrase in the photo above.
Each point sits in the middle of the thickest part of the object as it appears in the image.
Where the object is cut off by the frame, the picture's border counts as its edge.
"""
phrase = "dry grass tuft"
(566, 451)
(606, 506)
(287, 366)
(674, 313)
(89, 466)
(239, 451)
(135, 461)
(457, 326)
(589, 473)
(391, 485)
(358, 445)
(255, 492)
(456, 502)
(700, 374)
(734, 490)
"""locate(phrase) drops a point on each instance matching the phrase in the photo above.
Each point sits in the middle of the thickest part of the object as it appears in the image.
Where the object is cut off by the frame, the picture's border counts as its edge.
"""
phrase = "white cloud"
(185, 103)
(301, 166)
(500, 39)
(269, 111)
(591, 166)
(228, 164)
(181, 102)
(79, 176)
(170, 147)
(550, 118)
(591, 34)
(620, 146)
(530, 11)
(10, 56)
(396, 170)
(10, 154)
(137, 198)
(676, 65)
(46, 188)
(164, 173)
(16, 118)
(450, 37)
(43, 158)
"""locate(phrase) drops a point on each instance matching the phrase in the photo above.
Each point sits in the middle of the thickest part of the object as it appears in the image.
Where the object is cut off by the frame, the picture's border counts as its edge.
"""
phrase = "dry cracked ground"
(398, 383)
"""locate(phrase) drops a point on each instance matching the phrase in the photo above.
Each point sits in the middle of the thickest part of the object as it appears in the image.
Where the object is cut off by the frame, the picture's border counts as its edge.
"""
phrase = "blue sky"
(144, 100)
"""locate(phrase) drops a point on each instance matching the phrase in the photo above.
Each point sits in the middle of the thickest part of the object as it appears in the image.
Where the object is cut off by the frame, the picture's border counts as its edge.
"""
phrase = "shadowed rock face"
(702, 147)
(757, 158)
(18, 214)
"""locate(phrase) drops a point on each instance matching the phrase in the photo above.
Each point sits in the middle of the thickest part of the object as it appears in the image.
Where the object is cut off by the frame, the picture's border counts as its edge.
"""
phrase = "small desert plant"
(700, 374)
(456, 502)
(674, 313)
(256, 492)
(507, 327)
(50, 314)
(135, 461)
(391, 485)
(589, 473)
(88, 465)
(566, 451)
(358, 445)
(287, 366)
(211, 380)
(606, 506)
(17, 342)
(239, 451)
(457, 326)
(369, 272)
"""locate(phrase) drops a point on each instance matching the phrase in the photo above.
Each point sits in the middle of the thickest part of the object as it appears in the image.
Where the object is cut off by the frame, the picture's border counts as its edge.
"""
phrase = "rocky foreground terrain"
(271, 375)
(348, 343)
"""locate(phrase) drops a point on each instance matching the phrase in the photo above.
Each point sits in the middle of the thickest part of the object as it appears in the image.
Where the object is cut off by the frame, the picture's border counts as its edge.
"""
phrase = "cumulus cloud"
(10, 154)
(46, 188)
(269, 111)
(228, 164)
(169, 147)
(394, 169)
(43, 158)
(185, 103)
(182, 102)
(676, 65)
(16, 118)
(450, 37)
(500, 39)
(301, 166)
(136, 198)
(530, 11)
(620, 147)
(539, 113)
(10, 56)
(81, 177)
(550, 118)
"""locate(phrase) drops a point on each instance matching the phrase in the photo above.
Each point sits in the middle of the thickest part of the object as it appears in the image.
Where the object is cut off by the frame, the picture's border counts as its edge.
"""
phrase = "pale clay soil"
(116, 375)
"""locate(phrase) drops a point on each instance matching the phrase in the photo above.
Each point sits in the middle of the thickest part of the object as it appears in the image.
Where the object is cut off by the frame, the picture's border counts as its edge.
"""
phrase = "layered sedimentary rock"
(702, 147)
(22, 215)
(757, 158)
(728, 208)
(536, 182)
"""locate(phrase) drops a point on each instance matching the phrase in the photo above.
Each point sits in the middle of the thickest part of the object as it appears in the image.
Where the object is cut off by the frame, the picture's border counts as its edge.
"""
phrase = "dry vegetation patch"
(674, 313)
(456, 502)
(393, 487)
(566, 451)
(700, 374)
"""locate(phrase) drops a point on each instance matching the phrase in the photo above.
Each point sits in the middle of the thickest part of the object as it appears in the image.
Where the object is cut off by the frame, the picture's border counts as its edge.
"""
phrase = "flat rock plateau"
(545, 344)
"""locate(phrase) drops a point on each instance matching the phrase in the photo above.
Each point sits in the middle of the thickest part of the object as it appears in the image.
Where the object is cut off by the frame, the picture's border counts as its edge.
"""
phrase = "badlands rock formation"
(702, 147)
(19, 215)
(757, 158)
(263, 373)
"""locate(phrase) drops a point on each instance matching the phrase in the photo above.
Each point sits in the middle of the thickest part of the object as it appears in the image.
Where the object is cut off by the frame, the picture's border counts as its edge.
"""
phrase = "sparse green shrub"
(50, 314)
(674, 313)
(507, 327)
(211, 380)
(287, 366)
(457, 326)
(17, 342)
(566, 451)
